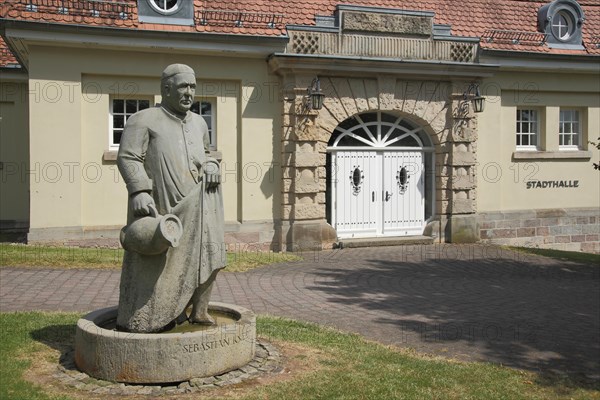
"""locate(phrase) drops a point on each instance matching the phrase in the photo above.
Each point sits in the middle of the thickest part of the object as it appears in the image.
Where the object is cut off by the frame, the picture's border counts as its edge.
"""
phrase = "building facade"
(397, 148)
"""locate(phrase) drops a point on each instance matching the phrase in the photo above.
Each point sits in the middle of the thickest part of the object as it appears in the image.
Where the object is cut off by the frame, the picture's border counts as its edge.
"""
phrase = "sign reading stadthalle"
(551, 184)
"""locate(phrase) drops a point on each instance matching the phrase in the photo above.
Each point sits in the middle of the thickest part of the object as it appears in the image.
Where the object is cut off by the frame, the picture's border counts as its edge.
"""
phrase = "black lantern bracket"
(314, 96)
(311, 101)
(473, 95)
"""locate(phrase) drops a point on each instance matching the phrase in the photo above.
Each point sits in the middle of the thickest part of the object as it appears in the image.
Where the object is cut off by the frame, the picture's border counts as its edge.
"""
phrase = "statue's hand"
(212, 180)
(140, 203)
(211, 175)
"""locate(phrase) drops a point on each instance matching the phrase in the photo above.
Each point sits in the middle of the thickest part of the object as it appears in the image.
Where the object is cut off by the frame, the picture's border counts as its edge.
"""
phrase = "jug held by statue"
(153, 234)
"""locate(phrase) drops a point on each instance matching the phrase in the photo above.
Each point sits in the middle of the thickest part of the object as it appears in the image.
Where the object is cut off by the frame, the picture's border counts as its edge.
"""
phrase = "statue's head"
(178, 87)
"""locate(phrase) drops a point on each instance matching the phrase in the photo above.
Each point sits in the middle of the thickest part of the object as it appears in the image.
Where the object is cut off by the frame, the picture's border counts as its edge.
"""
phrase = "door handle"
(388, 195)
(372, 196)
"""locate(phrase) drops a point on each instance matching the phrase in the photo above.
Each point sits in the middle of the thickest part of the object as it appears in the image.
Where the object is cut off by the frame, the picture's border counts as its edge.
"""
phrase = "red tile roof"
(7, 59)
(475, 18)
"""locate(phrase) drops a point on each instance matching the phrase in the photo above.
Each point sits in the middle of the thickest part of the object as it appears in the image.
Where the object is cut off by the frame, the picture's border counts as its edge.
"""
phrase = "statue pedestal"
(175, 356)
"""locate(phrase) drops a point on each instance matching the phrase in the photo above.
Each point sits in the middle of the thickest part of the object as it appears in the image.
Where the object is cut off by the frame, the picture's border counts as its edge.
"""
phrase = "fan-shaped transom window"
(378, 130)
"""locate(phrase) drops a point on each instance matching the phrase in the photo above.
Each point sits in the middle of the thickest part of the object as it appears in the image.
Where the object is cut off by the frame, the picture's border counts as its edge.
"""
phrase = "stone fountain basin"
(169, 357)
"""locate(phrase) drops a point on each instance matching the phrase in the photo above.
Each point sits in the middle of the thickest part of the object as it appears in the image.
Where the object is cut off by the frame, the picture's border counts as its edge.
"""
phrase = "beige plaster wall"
(69, 124)
(74, 133)
(502, 179)
(14, 152)
(55, 140)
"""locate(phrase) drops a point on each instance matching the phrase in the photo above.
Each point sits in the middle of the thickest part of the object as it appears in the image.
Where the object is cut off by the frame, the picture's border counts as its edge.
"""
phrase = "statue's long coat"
(166, 156)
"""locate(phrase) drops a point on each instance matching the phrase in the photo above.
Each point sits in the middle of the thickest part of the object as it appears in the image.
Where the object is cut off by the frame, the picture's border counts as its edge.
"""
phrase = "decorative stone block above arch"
(363, 19)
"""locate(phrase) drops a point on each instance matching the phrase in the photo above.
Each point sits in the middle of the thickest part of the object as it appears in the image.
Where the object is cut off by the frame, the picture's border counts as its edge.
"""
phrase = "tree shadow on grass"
(526, 312)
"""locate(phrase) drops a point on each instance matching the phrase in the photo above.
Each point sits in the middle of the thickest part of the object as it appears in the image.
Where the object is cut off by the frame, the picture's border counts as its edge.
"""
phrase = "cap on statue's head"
(175, 69)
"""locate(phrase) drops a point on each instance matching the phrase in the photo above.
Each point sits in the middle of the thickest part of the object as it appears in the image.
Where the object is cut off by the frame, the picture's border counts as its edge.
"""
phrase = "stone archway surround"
(437, 105)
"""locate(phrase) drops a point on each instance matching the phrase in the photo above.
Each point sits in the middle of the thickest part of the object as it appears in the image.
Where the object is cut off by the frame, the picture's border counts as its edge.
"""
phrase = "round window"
(165, 6)
(563, 25)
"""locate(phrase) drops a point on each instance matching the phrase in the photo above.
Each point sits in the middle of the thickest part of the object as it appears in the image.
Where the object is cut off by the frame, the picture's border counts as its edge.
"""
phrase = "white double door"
(378, 193)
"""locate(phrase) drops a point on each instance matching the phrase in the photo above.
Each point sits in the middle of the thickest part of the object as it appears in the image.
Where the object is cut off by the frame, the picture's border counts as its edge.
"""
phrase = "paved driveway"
(468, 302)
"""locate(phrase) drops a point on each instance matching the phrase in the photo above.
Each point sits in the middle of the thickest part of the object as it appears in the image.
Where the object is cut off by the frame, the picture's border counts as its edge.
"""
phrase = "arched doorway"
(380, 176)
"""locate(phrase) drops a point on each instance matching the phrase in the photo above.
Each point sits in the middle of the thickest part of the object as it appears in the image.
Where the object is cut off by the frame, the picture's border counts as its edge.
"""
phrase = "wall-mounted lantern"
(474, 95)
(315, 95)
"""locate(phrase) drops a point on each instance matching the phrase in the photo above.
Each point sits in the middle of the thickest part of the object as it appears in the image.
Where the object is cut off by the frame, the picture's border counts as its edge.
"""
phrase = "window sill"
(111, 155)
(552, 155)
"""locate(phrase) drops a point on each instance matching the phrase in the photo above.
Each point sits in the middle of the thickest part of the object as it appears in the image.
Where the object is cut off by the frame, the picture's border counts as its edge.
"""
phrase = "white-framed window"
(165, 6)
(206, 108)
(569, 129)
(528, 129)
(120, 111)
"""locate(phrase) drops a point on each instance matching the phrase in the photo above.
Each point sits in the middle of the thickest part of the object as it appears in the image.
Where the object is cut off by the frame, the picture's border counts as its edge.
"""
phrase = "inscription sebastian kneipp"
(215, 344)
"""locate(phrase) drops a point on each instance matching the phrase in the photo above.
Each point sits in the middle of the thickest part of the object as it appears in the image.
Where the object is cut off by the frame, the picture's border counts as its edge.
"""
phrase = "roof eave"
(254, 46)
(549, 62)
(13, 73)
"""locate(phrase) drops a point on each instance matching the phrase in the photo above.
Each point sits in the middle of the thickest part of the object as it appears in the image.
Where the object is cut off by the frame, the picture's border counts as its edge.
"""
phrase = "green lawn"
(19, 255)
(346, 367)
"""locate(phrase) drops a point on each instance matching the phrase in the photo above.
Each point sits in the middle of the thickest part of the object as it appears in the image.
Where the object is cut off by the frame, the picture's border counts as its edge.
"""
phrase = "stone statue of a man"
(163, 160)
